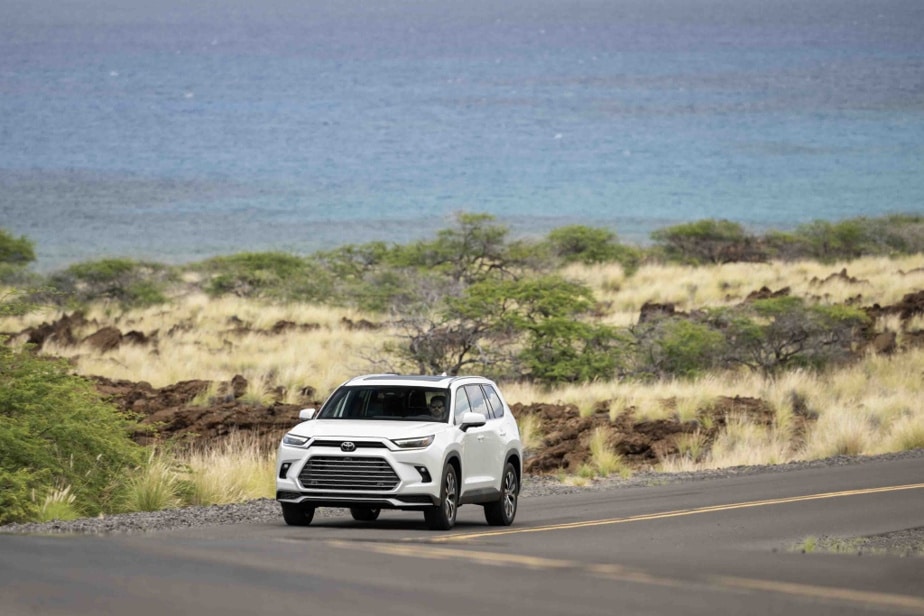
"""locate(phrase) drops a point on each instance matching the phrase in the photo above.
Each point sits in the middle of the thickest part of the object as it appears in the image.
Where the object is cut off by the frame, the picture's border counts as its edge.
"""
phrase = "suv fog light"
(284, 469)
(424, 474)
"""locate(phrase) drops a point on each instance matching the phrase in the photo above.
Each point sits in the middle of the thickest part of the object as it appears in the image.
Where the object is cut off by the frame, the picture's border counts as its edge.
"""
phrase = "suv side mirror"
(472, 420)
(306, 414)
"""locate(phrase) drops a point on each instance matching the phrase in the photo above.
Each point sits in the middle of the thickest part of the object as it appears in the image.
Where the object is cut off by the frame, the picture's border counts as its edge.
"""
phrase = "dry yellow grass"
(240, 468)
(530, 432)
(742, 443)
(604, 461)
(879, 279)
(869, 408)
(197, 339)
(872, 406)
(660, 400)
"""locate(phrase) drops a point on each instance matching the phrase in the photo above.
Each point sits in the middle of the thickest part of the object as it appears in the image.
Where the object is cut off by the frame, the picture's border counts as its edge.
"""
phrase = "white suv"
(426, 443)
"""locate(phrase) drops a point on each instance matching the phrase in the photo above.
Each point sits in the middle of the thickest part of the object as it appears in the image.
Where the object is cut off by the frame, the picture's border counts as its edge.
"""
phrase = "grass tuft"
(154, 486)
(906, 434)
(240, 468)
(530, 432)
(59, 504)
(807, 545)
(692, 445)
(604, 461)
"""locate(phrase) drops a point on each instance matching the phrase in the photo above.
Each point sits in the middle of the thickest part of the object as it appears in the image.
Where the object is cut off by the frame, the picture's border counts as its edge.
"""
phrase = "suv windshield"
(392, 402)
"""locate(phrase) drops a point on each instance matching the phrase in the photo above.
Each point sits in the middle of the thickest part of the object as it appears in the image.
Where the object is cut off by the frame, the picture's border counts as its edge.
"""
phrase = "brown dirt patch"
(63, 332)
(911, 305)
(641, 443)
(173, 413)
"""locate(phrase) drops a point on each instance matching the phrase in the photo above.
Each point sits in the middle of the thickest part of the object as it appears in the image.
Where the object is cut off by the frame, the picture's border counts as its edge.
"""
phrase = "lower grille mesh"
(345, 473)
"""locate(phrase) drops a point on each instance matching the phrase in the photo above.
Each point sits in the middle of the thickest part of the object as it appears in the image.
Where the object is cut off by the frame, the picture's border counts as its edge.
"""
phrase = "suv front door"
(493, 431)
(477, 471)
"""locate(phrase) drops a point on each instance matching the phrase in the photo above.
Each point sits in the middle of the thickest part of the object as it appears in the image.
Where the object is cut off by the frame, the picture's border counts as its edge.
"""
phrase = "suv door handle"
(481, 437)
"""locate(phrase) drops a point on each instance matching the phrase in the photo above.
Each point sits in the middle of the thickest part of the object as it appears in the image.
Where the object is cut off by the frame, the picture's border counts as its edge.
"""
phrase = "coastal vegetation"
(823, 326)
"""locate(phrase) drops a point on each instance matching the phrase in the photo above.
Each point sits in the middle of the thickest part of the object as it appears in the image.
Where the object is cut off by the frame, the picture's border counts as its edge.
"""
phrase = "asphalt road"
(716, 546)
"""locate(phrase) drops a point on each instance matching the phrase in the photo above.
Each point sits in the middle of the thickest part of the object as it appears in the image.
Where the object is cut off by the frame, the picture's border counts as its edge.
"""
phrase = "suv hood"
(366, 428)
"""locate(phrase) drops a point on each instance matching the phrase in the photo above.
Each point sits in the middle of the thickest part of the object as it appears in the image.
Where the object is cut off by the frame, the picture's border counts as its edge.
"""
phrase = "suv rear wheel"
(297, 515)
(501, 512)
(443, 516)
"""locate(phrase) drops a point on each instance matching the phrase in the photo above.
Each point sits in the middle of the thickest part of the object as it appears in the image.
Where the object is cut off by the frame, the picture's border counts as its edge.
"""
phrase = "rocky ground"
(907, 542)
(904, 543)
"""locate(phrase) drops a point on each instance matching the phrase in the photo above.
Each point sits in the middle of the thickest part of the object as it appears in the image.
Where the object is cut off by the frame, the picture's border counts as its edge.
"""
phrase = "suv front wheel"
(296, 514)
(443, 516)
(502, 511)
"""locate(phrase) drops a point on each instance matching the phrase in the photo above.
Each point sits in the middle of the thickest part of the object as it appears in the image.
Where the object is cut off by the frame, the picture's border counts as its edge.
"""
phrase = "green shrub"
(545, 314)
(131, 283)
(103, 272)
(352, 262)
(786, 332)
(15, 490)
(676, 347)
(15, 302)
(472, 250)
(581, 244)
(563, 350)
(826, 241)
(16, 251)
(54, 431)
(831, 241)
(269, 275)
(688, 348)
(767, 335)
(707, 241)
(530, 327)
(900, 233)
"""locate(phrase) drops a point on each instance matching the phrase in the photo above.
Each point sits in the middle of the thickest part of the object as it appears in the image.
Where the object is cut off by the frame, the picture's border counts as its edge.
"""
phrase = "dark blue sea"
(175, 130)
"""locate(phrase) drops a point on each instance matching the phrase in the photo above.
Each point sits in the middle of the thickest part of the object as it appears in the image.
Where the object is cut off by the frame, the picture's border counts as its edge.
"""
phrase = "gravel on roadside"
(906, 542)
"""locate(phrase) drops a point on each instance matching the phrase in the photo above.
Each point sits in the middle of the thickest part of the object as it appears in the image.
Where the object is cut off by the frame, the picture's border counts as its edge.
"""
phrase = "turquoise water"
(179, 130)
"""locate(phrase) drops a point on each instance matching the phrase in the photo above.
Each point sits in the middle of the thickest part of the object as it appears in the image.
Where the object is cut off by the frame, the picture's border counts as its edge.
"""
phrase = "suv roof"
(402, 379)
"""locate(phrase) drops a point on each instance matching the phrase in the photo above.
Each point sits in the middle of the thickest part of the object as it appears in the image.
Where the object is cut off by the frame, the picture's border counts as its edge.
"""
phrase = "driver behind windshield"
(438, 407)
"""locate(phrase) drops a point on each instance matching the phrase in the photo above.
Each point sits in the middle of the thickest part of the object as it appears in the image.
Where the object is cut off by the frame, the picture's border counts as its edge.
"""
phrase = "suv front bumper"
(376, 477)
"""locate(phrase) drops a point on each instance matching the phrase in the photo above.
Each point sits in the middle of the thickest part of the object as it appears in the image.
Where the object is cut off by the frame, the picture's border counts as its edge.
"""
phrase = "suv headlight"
(418, 442)
(294, 440)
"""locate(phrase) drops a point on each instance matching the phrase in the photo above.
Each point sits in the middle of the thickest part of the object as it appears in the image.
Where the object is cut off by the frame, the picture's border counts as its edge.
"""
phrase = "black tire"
(365, 514)
(297, 515)
(502, 511)
(443, 516)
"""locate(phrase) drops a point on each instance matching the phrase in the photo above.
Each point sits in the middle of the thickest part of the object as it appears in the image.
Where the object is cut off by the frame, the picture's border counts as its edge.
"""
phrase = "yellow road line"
(672, 514)
(877, 599)
(435, 553)
(620, 573)
(430, 552)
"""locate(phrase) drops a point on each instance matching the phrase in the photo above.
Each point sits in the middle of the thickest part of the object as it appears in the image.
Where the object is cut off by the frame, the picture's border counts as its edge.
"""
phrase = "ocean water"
(180, 129)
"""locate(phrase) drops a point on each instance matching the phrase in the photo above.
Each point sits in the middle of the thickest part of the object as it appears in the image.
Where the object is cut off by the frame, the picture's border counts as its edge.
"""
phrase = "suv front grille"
(348, 473)
(357, 444)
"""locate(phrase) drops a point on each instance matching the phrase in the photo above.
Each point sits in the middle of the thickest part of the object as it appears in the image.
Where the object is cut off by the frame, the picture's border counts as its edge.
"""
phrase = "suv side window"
(476, 398)
(497, 407)
(460, 406)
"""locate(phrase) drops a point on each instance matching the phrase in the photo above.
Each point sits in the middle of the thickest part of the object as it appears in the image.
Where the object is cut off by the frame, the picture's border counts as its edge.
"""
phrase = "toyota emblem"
(347, 446)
